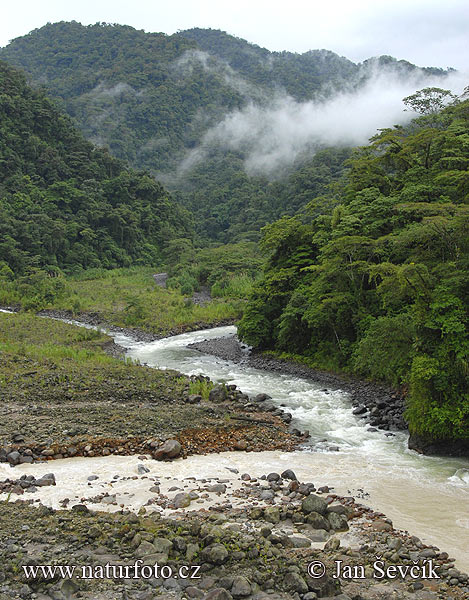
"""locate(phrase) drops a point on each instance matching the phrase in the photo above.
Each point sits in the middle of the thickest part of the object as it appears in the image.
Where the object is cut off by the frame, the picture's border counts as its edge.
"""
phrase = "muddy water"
(428, 496)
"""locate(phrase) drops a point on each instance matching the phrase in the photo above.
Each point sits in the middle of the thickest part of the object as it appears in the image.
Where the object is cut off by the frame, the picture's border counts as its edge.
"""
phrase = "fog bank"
(273, 135)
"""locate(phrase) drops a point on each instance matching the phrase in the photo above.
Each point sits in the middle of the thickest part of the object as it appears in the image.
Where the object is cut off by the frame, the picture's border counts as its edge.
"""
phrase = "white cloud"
(273, 137)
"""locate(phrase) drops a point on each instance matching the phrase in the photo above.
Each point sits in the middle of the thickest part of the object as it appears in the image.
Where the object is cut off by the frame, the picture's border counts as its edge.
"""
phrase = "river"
(428, 496)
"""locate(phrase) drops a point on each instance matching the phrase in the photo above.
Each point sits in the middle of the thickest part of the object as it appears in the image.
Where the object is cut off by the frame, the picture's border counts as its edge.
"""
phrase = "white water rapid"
(428, 496)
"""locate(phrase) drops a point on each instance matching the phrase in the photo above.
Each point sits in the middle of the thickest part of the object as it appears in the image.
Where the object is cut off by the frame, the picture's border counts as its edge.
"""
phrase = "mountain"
(65, 204)
(198, 109)
(374, 279)
(302, 76)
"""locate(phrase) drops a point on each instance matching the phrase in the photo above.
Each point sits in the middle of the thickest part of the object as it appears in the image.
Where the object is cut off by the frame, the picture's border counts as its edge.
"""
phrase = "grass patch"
(123, 297)
(201, 388)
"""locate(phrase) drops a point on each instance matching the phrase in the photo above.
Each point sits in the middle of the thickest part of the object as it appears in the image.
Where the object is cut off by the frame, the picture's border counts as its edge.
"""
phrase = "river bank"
(71, 399)
(381, 406)
(253, 533)
(316, 465)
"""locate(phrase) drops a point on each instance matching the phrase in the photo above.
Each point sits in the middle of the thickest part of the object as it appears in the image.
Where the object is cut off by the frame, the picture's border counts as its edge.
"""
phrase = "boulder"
(14, 457)
(216, 554)
(289, 474)
(300, 541)
(219, 488)
(314, 503)
(337, 508)
(241, 587)
(272, 514)
(295, 583)
(47, 479)
(144, 549)
(179, 544)
(218, 394)
(319, 535)
(170, 449)
(318, 521)
(337, 522)
(262, 397)
(181, 500)
(162, 545)
(306, 488)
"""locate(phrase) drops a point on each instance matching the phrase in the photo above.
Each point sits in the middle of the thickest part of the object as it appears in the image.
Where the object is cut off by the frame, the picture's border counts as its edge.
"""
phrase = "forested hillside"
(65, 204)
(230, 205)
(300, 75)
(378, 283)
(156, 101)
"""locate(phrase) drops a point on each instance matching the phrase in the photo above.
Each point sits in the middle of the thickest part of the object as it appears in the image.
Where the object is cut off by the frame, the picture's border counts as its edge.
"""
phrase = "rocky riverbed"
(252, 534)
(135, 421)
(235, 535)
(380, 405)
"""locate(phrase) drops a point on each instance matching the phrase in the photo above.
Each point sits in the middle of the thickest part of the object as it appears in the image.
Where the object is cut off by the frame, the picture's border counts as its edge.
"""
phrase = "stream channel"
(427, 496)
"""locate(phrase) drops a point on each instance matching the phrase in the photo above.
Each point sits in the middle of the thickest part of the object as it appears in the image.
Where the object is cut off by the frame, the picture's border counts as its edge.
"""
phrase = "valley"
(234, 307)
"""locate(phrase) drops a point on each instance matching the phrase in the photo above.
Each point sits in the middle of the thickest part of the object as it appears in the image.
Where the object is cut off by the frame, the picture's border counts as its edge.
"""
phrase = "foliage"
(429, 101)
(378, 284)
(151, 98)
(226, 271)
(201, 387)
(126, 297)
(65, 204)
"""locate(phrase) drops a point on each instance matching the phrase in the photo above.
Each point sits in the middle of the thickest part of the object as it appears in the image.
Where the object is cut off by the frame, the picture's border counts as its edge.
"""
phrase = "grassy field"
(56, 380)
(123, 297)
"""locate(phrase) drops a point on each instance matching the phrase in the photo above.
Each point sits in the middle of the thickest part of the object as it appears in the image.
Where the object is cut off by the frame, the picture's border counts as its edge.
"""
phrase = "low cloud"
(185, 65)
(273, 137)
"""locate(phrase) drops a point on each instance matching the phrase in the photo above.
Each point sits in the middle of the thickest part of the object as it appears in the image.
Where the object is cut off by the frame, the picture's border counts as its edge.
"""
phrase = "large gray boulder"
(181, 500)
(337, 522)
(314, 503)
(218, 394)
(216, 554)
(318, 521)
(170, 449)
(241, 587)
(14, 457)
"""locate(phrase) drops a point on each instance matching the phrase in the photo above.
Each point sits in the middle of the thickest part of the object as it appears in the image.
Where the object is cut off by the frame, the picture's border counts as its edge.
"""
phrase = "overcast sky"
(425, 32)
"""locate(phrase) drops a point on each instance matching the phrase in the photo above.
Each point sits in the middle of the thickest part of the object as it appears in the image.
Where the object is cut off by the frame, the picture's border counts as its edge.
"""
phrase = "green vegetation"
(63, 361)
(230, 205)
(122, 297)
(65, 204)
(151, 99)
(373, 278)
(60, 388)
(227, 271)
(30, 336)
(201, 387)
